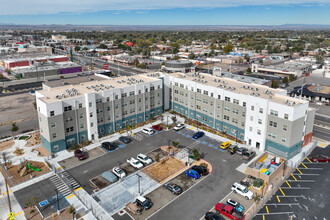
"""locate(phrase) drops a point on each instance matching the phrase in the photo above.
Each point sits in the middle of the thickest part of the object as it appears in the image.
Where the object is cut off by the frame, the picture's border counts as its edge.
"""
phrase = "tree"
(274, 84)
(285, 80)
(173, 119)
(103, 46)
(14, 128)
(247, 57)
(248, 70)
(77, 48)
(191, 56)
(176, 57)
(228, 48)
(320, 60)
(34, 104)
(196, 154)
(290, 78)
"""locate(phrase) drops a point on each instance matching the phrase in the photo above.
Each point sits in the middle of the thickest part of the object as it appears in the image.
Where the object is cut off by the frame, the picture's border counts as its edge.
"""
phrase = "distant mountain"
(69, 27)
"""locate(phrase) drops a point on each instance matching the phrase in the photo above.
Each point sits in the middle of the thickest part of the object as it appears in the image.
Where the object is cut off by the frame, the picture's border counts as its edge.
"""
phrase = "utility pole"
(139, 182)
(6, 183)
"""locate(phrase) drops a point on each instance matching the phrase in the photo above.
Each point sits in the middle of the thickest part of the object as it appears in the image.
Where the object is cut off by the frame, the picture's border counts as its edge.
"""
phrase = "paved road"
(322, 120)
(322, 133)
(23, 126)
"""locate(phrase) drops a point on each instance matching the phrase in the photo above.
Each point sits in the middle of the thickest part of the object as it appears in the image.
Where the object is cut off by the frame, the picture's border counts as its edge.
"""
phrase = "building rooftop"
(45, 67)
(71, 91)
(72, 81)
(275, 95)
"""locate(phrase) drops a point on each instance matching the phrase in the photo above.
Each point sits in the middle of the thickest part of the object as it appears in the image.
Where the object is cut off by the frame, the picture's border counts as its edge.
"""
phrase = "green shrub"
(258, 182)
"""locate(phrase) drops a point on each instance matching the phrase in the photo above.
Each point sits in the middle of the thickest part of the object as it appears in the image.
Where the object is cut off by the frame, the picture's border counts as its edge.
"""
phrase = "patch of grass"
(23, 137)
(18, 151)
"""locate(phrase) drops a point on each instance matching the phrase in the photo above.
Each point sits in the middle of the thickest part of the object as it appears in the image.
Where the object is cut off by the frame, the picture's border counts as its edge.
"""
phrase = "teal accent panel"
(53, 147)
(283, 151)
(230, 126)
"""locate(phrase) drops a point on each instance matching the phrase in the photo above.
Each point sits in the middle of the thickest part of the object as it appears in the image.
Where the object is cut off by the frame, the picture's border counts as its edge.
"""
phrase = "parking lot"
(304, 195)
(193, 203)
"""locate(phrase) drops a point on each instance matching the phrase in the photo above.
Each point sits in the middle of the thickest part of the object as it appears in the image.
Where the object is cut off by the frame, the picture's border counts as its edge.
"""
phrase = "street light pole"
(139, 185)
(58, 202)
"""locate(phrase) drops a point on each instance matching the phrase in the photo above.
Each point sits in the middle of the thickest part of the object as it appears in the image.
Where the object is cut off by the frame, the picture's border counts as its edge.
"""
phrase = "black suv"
(109, 146)
(201, 170)
(143, 202)
(125, 139)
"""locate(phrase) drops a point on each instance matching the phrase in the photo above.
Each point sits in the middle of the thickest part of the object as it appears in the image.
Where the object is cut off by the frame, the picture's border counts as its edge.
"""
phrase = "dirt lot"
(16, 178)
(73, 161)
(6, 145)
(15, 108)
(153, 154)
(36, 216)
(166, 167)
(33, 140)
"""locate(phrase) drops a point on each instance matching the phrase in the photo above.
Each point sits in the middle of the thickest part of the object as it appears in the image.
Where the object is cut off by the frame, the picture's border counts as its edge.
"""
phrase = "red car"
(81, 155)
(321, 158)
(228, 211)
(157, 127)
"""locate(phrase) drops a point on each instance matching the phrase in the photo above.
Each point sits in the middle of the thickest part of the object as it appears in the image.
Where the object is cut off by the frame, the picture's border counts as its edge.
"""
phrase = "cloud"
(24, 7)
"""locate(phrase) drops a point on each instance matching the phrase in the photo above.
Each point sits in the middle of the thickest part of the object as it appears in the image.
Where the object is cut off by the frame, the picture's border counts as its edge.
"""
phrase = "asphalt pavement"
(322, 133)
(305, 194)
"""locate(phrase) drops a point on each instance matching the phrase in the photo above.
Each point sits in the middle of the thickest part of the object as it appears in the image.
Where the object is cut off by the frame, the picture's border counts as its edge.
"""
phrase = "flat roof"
(72, 80)
(50, 95)
(241, 87)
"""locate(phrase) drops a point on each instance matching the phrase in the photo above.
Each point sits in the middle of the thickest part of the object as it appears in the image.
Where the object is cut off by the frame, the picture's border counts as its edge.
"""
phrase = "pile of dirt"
(33, 140)
(6, 144)
(166, 167)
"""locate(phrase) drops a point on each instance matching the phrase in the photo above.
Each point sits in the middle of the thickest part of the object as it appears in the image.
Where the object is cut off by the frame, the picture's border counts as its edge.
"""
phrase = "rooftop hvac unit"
(252, 93)
(257, 94)
(71, 94)
(88, 87)
(63, 96)
(58, 97)
(256, 89)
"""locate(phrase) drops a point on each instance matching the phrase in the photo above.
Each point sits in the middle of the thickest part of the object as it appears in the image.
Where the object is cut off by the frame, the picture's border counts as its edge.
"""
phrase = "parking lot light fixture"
(139, 184)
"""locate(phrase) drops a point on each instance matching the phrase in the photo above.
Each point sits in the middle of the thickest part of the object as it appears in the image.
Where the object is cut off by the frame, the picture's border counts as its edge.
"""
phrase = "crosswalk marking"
(61, 186)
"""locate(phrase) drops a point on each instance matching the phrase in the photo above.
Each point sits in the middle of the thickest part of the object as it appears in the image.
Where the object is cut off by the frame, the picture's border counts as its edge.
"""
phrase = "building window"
(211, 94)
(252, 108)
(109, 118)
(71, 141)
(116, 96)
(54, 135)
(158, 87)
(285, 127)
(251, 129)
(259, 121)
(236, 101)
(251, 118)
(283, 139)
(108, 99)
(52, 113)
(53, 124)
(56, 147)
(92, 124)
(80, 105)
(227, 99)
(82, 126)
(83, 137)
(90, 104)
(199, 90)
(273, 112)
(225, 117)
(146, 89)
(140, 91)
(273, 124)
(81, 115)
(243, 114)
(131, 93)
(206, 92)
(286, 116)
(108, 108)
(219, 96)
(98, 101)
(91, 114)
(244, 104)
(272, 135)
(235, 111)
(116, 106)
(219, 106)
(259, 132)
(261, 110)
(227, 108)
(234, 120)
(243, 124)
(124, 95)
(99, 110)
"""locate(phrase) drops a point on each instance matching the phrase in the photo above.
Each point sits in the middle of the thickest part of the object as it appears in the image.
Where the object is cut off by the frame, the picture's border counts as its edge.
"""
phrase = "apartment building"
(263, 117)
(71, 114)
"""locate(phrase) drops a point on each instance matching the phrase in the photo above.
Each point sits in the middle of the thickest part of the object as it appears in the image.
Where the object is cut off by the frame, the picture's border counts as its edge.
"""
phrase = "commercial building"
(183, 66)
(72, 114)
(263, 117)
(285, 70)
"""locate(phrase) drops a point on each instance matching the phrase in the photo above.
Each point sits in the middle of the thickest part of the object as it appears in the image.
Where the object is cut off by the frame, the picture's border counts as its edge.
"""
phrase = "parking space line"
(296, 188)
(78, 189)
(306, 181)
(276, 213)
(292, 196)
(307, 174)
(278, 199)
(287, 183)
(299, 170)
(275, 204)
(304, 165)
(316, 168)
(263, 217)
(294, 177)
(309, 160)
(267, 209)
(192, 128)
(282, 192)
(70, 196)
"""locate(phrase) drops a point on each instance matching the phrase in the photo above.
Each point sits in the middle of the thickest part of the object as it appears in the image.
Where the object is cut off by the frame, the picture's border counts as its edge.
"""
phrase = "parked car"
(242, 190)
(235, 204)
(249, 154)
(225, 145)
(193, 174)
(135, 163)
(119, 172)
(213, 216)
(241, 150)
(228, 211)
(321, 158)
(125, 139)
(144, 159)
(109, 146)
(109, 176)
(173, 188)
(81, 155)
(157, 127)
(143, 202)
(198, 134)
(232, 149)
(178, 127)
(148, 131)
(201, 170)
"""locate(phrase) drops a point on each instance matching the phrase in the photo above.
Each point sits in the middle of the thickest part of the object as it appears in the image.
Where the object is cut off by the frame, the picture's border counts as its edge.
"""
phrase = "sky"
(165, 12)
